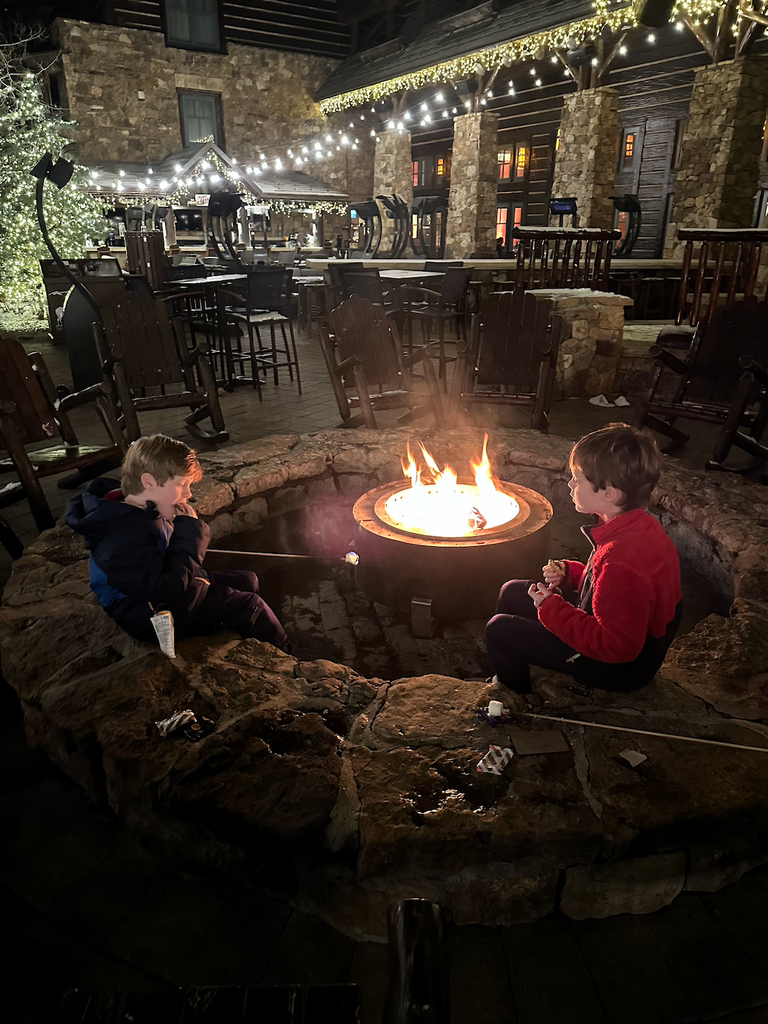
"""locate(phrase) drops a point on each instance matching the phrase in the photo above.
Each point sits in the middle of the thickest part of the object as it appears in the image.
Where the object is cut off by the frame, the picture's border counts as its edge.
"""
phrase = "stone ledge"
(365, 790)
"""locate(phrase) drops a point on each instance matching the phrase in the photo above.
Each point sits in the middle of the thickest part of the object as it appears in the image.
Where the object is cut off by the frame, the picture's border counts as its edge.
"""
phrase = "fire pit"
(443, 548)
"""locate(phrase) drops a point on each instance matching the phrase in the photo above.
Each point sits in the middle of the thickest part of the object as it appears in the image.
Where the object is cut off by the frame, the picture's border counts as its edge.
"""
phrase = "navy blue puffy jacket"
(140, 561)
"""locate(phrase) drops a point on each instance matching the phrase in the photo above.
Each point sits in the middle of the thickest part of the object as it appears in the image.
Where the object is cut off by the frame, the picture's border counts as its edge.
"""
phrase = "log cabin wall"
(654, 82)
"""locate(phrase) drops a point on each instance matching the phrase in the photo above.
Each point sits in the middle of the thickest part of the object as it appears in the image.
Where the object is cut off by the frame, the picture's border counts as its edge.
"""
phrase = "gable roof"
(135, 179)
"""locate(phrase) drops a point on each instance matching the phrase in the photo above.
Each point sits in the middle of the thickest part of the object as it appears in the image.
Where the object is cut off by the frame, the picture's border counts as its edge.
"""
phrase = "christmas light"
(616, 17)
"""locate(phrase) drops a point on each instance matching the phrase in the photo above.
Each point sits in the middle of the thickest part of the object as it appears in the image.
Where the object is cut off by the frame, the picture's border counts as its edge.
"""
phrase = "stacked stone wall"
(585, 163)
(471, 227)
(392, 175)
(121, 85)
(720, 153)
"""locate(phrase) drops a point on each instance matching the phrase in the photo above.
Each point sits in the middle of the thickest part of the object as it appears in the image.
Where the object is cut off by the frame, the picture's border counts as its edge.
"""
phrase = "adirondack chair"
(511, 358)
(142, 348)
(30, 414)
(362, 351)
(712, 385)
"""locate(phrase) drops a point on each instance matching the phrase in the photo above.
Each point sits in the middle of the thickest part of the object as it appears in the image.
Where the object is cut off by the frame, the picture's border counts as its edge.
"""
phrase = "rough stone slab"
(633, 886)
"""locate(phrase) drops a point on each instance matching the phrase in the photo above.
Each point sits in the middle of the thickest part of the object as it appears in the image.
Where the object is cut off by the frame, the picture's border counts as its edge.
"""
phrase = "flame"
(445, 508)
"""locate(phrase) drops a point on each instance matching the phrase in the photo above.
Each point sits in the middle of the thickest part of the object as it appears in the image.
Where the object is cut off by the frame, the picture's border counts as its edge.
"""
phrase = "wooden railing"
(719, 266)
(564, 257)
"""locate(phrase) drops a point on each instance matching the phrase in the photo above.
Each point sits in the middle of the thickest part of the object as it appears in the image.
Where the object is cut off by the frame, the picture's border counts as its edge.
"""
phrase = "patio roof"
(205, 167)
(431, 49)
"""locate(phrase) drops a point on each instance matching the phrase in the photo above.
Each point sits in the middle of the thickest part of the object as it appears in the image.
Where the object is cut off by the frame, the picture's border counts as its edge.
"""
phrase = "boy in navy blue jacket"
(147, 548)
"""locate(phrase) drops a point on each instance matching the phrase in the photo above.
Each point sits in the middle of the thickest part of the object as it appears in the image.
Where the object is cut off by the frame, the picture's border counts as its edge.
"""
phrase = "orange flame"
(446, 508)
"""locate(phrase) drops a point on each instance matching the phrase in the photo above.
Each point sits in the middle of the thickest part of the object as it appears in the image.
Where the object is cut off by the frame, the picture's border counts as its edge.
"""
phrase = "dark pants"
(515, 640)
(232, 602)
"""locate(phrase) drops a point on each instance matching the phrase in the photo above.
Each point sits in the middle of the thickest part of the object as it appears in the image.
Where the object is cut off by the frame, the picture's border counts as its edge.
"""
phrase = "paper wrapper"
(163, 626)
(174, 721)
(495, 760)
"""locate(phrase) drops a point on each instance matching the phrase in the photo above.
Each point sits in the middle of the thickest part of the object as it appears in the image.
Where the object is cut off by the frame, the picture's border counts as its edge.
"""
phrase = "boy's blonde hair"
(619, 456)
(163, 457)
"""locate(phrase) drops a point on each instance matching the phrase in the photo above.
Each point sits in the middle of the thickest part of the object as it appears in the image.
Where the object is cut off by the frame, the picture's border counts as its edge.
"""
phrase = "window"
(507, 218)
(521, 162)
(557, 140)
(200, 114)
(440, 167)
(622, 223)
(415, 173)
(505, 163)
(501, 223)
(193, 24)
(414, 226)
(628, 149)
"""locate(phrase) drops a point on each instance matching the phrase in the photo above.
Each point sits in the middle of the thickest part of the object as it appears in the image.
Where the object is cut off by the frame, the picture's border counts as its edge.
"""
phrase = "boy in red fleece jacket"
(610, 622)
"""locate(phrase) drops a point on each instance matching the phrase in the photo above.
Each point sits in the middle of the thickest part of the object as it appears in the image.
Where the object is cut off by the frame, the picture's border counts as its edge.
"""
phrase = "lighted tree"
(29, 128)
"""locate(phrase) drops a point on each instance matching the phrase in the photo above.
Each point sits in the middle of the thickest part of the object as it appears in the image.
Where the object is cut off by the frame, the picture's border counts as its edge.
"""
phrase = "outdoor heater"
(441, 549)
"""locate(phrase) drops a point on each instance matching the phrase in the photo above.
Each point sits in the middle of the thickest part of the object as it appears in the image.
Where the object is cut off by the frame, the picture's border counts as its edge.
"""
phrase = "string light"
(569, 36)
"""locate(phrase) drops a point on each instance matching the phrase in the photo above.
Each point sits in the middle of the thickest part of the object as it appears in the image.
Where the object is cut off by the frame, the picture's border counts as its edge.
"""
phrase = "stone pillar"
(585, 162)
(392, 175)
(471, 226)
(591, 342)
(720, 154)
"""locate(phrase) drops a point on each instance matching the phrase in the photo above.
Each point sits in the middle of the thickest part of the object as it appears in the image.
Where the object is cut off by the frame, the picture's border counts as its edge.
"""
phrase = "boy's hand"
(184, 509)
(539, 592)
(553, 572)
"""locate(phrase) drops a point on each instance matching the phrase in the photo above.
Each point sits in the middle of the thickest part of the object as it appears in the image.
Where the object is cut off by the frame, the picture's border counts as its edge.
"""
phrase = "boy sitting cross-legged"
(147, 548)
(617, 615)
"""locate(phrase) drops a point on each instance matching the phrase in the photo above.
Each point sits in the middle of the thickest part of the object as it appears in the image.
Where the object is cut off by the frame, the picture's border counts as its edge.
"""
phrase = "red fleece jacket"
(635, 590)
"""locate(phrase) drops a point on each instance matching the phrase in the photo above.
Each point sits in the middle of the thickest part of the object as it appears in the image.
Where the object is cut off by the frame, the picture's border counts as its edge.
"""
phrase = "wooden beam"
(746, 35)
(699, 33)
(725, 16)
(605, 65)
(756, 16)
(567, 66)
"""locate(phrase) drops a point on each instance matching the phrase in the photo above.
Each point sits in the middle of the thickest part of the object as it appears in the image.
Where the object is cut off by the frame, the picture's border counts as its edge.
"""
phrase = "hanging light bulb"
(623, 51)
(373, 131)
(362, 117)
(407, 115)
(538, 81)
(454, 110)
(439, 97)
(121, 173)
(177, 168)
(533, 72)
(651, 38)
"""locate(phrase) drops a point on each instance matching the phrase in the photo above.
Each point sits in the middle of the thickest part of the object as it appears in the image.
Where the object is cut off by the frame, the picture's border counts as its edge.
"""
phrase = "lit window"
(629, 149)
(521, 162)
(192, 24)
(505, 163)
(557, 140)
(517, 216)
(501, 223)
(440, 168)
(414, 226)
(415, 173)
(622, 223)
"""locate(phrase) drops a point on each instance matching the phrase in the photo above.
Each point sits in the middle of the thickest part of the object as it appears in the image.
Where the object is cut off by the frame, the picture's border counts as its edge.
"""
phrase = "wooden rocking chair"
(31, 413)
(511, 359)
(142, 349)
(712, 385)
(363, 353)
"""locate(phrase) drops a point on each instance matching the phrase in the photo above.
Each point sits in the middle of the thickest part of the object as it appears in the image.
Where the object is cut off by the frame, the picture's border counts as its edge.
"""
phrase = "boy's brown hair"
(619, 456)
(163, 457)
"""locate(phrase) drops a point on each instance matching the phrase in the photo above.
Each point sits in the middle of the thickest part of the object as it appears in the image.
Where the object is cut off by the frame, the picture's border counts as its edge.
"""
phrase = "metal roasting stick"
(351, 557)
(643, 732)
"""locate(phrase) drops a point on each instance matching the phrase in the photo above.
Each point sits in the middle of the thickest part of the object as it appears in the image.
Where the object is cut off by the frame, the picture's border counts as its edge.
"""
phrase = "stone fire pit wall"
(364, 791)
(592, 339)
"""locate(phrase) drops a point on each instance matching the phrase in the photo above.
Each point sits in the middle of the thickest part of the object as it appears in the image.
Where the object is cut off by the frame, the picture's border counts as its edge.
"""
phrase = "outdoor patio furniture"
(712, 385)
(264, 309)
(144, 351)
(510, 358)
(31, 415)
(368, 369)
(720, 266)
(564, 257)
(431, 306)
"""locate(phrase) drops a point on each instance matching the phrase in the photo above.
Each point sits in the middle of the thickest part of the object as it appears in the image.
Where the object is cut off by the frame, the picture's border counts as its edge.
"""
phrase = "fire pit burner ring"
(460, 575)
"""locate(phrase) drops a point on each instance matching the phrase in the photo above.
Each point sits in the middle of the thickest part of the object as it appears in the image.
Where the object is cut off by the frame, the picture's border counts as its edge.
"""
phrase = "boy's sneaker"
(521, 687)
